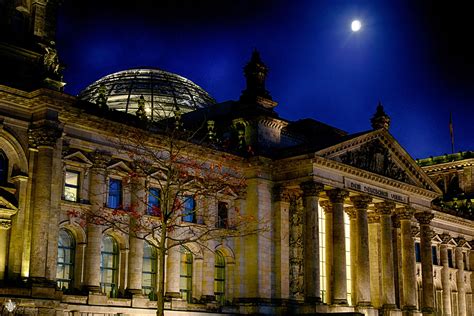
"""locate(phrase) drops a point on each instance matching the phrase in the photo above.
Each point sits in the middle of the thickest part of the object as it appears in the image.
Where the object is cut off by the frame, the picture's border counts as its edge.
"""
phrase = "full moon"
(356, 25)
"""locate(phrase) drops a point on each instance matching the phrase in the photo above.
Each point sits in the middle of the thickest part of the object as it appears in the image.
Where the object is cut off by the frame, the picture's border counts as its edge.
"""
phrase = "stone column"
(424, 219)
(388, 286)
(173, 261)
(339, 289)
(327, 207)
(352, 213)
(311, 192)
(375, 259)
(361, 202)
(44, 139)
(460, 279)
(281, 252)
(397, 262)
(138, 201)
(5, 225)
(97, 198)
(445, 275)
(19, 226)
(208, 266)
(408, 260)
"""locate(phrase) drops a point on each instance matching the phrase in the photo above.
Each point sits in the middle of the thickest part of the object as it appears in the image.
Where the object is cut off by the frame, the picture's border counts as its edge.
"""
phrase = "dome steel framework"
(163, 92)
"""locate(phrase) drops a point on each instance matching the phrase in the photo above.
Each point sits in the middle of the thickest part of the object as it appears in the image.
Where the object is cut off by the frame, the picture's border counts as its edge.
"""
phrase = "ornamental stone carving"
(311, 188)
(296, 249)
(5, 224)
(373, 218)
(326, 205)
(415, 230)
(424, 218)
(384, 208)
(337, 195)
(351, 212)
(280, 194)
(45, 135)
(375, 157)
(445, 238)
(405, 213)
(361, 202)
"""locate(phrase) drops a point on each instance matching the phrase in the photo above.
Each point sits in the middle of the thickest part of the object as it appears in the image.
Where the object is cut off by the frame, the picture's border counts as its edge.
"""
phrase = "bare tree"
(170, 168)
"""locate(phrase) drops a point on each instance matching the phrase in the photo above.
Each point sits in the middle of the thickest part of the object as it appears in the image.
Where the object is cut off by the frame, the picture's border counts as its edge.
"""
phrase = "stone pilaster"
(339, 284)
(397, 263)
(445, 274)
(311, 192)
(405, 216)
(281, 252)
(44, 139)
(352, 213)
(208, 275)
(361, 202)
(97, 198)
(173, 261)
(388, 286)
(327, 208)
(424, 219)
(462, 310)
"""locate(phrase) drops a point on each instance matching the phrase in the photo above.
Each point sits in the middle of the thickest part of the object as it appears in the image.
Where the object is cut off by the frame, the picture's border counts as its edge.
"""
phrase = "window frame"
(77, 187)
(104, 286)
(219, 265)
(150, 290)
(120, 193)
(151, 204)
(186, 261)
(61, 282)
(222, 223)
(185, 214)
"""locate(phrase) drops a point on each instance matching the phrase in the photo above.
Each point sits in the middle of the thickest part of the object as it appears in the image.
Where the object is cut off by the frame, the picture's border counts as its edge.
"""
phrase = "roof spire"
(380, 118)
(255, 74)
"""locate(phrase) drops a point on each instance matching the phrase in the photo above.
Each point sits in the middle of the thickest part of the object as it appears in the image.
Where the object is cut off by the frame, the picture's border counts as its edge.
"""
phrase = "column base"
(389, 306)
(364, 304)
(134, 291)
(427, 310)
(171, 295)
(208, 298)
(312, 300)
(92, 289)
(339, 302)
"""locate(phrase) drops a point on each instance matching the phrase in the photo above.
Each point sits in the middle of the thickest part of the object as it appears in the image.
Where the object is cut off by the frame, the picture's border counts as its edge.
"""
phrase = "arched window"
(219, 278)
(65, 268)
(149, 271)
(3, 168)
(186, 275)
(108, 266)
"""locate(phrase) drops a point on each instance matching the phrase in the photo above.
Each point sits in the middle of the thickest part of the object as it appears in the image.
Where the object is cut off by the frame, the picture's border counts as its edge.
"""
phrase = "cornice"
(451, 219)
(328, 163)
(449, 165)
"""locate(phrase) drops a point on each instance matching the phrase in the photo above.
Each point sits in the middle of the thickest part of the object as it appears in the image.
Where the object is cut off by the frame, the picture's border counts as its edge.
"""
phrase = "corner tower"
(28, 56)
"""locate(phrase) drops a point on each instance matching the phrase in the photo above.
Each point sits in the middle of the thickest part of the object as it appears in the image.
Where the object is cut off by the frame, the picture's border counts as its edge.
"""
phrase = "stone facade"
(350, 223)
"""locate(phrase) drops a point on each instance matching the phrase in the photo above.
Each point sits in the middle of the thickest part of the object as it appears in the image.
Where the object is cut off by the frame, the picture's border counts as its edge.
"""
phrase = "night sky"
(413, 56)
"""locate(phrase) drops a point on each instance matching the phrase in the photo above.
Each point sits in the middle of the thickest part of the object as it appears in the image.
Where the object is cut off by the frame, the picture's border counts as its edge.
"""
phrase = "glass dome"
(161, 90)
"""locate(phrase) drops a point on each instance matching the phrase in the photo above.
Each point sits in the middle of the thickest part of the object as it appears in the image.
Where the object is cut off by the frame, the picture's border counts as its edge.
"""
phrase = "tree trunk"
(160, 308)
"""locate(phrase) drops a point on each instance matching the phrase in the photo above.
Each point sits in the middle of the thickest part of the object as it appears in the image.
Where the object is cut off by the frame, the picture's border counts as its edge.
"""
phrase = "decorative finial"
(255, 73)
(380, 118)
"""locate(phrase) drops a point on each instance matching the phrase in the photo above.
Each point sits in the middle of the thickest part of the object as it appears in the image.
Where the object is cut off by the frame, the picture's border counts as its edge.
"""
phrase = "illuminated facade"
(354, 223)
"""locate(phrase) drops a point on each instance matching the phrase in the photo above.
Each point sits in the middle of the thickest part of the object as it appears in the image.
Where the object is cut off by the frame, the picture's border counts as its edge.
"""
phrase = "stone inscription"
(372, 190)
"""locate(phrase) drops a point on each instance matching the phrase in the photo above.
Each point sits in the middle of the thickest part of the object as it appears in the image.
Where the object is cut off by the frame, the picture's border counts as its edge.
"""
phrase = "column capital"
(445, 238)
(311, 188)
(361, 201)
(326, 205)
(337, 195)
(44, 135)
(373, 217)
(351, 212)
(280, 194)
(405, 213)
(395, 221)
(100, 159)
(414, 230)
(384, 208)
(424, 218)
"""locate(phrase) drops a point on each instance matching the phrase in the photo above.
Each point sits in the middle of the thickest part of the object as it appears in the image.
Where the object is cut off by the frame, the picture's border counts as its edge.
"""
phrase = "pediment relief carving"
(377, 158)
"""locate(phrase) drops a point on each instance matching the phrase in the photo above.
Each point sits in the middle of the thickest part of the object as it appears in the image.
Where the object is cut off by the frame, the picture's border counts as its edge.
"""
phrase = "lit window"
(65, 265)
(189, 214)
(149, 271)
(71, 186)
(219, 278)
(153, 201)
(108, 266)
(3, 168)
(186, 275)
(115, 193)
(222, 214)
(417, 252)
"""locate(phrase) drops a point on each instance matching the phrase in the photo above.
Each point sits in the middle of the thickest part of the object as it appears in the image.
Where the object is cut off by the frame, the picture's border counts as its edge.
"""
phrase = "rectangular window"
(71, 186)
(450, 258)
(222, 214)
(434, 253)
(417, 252)
(189, 212)
(153, 202)
(464, 260)
(115, 193)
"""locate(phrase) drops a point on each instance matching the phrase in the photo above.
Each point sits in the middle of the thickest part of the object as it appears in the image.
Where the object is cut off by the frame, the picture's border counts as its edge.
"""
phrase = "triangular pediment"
(78, 158)
(119, 166)
(378, 152)
(8, 204)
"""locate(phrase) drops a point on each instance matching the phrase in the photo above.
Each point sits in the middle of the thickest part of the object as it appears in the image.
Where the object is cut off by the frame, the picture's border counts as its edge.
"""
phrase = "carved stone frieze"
(375, 157)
